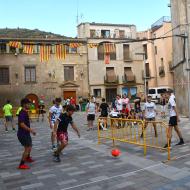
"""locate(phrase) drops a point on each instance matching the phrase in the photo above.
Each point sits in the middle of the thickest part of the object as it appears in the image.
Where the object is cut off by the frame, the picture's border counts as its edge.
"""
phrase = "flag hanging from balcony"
(75, 45)
(28, 49)
(109, 47)
(107, 58)
(60, 51)
(15, 44)
(92, 45)
(44, 53)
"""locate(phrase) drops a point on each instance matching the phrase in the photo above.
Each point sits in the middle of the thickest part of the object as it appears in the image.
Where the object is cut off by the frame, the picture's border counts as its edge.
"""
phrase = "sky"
(60, 16)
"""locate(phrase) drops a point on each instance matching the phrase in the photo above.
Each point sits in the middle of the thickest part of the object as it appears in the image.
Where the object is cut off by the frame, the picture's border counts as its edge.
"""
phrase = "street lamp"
(144, 64)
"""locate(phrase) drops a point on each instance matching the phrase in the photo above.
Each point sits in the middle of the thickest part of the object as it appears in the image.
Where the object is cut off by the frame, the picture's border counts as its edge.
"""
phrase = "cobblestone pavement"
(88, 166)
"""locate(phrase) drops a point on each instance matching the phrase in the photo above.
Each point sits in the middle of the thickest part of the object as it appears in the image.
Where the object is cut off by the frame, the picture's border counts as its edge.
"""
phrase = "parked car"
(156, 92)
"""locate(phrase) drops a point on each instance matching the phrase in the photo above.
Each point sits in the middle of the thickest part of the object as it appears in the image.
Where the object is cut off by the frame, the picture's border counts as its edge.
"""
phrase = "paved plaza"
(88, 166)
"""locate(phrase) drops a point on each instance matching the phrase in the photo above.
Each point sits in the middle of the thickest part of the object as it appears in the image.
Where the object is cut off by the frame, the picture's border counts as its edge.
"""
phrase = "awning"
(111, 77)
(129, 74)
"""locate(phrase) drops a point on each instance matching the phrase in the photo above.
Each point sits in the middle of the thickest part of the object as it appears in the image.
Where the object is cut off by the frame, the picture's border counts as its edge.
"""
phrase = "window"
(155, 50)
(105, 33)
(71, 50)
(100, 52)
(97, 92)
(69, 73)
(110, 74)
(126, 52)
(152, 91)
(2, 48)
(4, 75)
(162, 62)
(145, 51)
(113, 56)
(92, 33)
(147, 70)
(122, 33)
(30, 74)
(161, 91)
(128, 74)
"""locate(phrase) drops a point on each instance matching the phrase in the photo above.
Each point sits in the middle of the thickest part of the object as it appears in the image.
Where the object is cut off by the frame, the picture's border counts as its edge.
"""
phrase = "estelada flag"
(28, 49)
(92, 45)
(44, 53)
(60, 51)
(75, 45)
(109, 47)
(15, 44)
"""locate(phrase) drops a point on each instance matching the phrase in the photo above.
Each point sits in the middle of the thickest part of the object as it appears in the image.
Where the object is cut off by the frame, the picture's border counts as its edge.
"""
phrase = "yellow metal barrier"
(132, 131)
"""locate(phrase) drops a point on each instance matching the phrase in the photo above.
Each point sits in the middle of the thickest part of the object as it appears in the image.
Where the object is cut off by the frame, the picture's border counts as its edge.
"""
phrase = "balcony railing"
(161, 71)
(128, 79)
(111, 79)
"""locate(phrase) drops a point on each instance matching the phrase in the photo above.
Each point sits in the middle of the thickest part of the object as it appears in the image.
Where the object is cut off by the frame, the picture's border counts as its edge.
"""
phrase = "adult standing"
(125, 102)
(7, 109)
(119, 103)
(173, 120)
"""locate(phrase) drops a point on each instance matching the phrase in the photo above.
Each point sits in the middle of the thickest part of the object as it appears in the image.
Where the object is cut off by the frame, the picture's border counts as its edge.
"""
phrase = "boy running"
(23, 133)
(174, 119)
(149, 113)
(54, 113)
(60, 128)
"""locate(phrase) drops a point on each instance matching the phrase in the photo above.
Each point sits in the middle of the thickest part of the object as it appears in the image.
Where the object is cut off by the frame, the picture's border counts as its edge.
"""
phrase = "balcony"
(161, 71)
(114, 79)
(128, 79)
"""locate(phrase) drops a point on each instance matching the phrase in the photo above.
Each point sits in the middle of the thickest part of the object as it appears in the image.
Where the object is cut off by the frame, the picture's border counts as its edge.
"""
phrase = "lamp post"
(144, 65)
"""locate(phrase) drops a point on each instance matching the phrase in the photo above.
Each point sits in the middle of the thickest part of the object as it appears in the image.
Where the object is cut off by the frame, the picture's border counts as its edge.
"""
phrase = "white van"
(156, 92)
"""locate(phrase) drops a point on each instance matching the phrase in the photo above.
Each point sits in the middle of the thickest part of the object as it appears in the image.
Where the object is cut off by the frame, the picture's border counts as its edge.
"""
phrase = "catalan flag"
(60, 51)
(109, 47)
(92, 45)
(28, 49)
(15, 44)
(44, 53)
(75, 45)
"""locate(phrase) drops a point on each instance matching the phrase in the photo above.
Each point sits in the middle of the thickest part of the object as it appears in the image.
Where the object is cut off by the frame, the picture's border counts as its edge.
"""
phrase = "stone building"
(158, 53)
(23, 75)
(114, 67)
(180, 12)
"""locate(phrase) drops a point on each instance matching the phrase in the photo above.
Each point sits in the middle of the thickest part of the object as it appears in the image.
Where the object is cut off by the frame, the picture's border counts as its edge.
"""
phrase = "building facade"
(23, 75)
(158, 53)
(114, 67)
(180, 12)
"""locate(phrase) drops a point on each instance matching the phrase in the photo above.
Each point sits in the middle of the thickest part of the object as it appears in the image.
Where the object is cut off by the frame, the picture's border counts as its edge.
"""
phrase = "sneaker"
(54, 147)
(23, 166)
(180, 143)
(57, 159)
(166, 146)
(14, 129)
(29, 159)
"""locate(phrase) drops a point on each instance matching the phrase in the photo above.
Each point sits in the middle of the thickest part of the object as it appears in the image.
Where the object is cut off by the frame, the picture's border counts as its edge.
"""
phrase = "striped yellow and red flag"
(44, 53)
(15, 44)
(28, 49)
(92, 45)
(109, 47)
(75, 45)
(60, 51)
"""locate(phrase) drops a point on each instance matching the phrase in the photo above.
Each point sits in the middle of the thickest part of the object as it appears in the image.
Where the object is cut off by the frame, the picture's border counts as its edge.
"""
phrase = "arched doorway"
(34, 99)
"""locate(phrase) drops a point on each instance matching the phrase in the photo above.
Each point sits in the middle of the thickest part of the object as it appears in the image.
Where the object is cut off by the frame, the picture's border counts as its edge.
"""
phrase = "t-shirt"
(91, 108)
(23, 117)
(125, 101)
(55, 111)
(119, 105)
(104, 108)
(171, 104)
(150, 110)
(7, 108)
(64, 121)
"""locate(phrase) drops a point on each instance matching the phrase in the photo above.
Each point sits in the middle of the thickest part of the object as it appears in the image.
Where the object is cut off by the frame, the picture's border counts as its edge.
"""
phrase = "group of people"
(60, 118)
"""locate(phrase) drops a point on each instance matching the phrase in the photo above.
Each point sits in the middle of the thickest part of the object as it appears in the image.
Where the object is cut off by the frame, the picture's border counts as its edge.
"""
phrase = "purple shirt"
(23, 117)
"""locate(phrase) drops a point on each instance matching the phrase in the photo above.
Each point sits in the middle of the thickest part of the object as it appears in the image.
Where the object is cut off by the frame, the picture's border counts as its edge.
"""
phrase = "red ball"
(115, 152)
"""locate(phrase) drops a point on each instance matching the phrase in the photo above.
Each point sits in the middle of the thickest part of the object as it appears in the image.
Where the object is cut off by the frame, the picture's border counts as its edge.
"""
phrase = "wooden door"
(34, 99)
(69, 94)
(111, 93)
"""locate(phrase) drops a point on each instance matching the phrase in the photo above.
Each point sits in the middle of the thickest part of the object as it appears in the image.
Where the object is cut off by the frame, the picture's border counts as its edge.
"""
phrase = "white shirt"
(55, 111)
(171, 104)
(91, 108)
(119, 105)
(150, 110)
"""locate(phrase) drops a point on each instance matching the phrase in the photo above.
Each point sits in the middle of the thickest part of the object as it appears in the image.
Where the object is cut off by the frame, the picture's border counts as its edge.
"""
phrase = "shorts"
(163, 108)
(173, 121)
(150, 119)
(104, 115)
(90, 117)
(8, 118)
(62, 137)
(25, 141)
